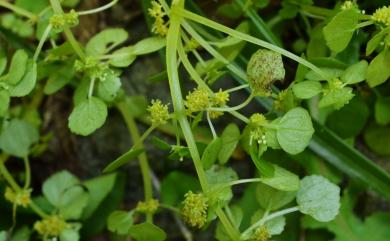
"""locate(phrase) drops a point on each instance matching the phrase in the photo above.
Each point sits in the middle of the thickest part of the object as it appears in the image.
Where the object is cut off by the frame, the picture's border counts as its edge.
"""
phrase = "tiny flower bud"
(150, 206)
(261, 234)
(382, 15)
(159, 113)
(51, 226)
(71, 18)
(57, 21)
(194, 210)
(21, 198)
(198, 100)
(264, 68)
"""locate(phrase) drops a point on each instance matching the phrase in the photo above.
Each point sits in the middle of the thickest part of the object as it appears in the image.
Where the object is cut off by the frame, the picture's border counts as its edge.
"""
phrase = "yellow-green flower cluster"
(197, 100)
(347, 5)
(257, 121)
(21, 198)
(219, 99)
(150, 206)
(191, 45)
(160, 27)
(194, 210)
(261, 234)
(382, 15)
(60, 21)
(159, 114)
(51, 226)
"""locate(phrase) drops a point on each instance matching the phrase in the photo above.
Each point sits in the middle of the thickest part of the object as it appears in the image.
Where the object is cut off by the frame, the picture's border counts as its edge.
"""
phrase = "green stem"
(234, 108)
(99, 9)
(28, 172)
(364, 24)
(55, 4)
(8, 177)
(11, 181)
(41, 42)
(268, 218)
(18, 10)
(173, 37)
(143, 160)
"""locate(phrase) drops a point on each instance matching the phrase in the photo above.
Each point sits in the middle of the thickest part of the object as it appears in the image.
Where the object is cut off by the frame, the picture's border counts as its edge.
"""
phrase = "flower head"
(347, 5)
(261, 234)
(382, 15)
(194, 210)
(219, 99)
(160, 27)
(20, 198)
(197, 100)
(51, 226)
(150, 206)
(159, 113)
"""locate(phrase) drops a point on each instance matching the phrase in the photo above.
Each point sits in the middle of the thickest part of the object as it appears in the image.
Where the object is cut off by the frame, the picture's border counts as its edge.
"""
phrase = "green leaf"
(55, 186)
(230, 138)
(21, 234)
(88, 116)
(339, 31)
(98, 189)
(27, 83)
(69, 234)
(265, 168)
(332, 73)
(106, 40)
(271, 199)
(349, 120)
(307, 89)
(147, 232)
(120, 222)
(108, 89)
(355, 73)
(123, 159)
(282, 180)
(4, 102)
(294, 130)
(148, 45)
(379, 69)
(377, 139)
(17, 67)
(210, 154)
(72, 202)
(3, 59)
(123, 57)
(217, 176)
(382, 110)
(17, 137)
(336, 98)
(175, 185)
(61, 76)
(35, 7)
(374, 42)
(3, 236)
(274, 226)
(347, 226)
(319, 198)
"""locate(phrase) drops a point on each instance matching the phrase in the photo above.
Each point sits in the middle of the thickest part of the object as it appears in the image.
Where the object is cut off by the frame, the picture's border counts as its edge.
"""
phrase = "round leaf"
(295, 130)
(307, 89)
(88, 116)
(319, 198)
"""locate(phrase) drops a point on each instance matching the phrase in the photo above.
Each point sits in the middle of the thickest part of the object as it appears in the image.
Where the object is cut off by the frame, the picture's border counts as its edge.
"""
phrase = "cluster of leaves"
(330, 81)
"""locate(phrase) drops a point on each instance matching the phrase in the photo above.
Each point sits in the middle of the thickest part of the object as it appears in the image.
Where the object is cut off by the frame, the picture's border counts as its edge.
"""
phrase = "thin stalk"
(209, 23)
(173, 37)
(143, 160)
(364, 24)
(18, 10)
(91, 87)
(11, 181)
(211, 126)
(41, 42)
(268, 218)
(99, 9)
(55, 4)
(234, 108)
(28, 172)
(240, 87)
